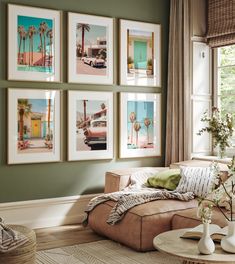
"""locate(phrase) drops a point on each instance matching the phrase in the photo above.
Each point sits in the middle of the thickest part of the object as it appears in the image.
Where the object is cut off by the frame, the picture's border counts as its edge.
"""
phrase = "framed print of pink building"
(35, 44)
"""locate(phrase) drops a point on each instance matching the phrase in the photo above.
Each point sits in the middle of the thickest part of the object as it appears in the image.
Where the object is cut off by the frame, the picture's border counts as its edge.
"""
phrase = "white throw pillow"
(198, 180)
(139, 178)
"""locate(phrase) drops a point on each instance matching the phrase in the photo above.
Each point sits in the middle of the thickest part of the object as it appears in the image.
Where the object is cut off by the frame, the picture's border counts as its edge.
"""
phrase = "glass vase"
(221, 151)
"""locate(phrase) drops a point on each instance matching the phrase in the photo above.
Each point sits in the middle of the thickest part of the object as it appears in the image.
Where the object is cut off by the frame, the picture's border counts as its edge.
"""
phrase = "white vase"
(228, 242)
(206, 245)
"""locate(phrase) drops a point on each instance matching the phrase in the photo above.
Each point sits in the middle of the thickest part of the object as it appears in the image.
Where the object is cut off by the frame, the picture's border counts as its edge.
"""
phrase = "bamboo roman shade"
(221, 23)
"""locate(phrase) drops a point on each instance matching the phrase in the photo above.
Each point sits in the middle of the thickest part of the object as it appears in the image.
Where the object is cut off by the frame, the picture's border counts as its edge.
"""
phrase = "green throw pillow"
(167, 179)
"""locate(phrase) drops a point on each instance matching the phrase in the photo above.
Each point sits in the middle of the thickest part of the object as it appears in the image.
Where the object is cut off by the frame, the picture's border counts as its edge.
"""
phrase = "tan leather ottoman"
(189, 219)
(140, 224)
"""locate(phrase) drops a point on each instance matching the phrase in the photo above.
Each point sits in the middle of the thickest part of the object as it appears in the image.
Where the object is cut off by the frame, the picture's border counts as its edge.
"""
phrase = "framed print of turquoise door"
(140, 53)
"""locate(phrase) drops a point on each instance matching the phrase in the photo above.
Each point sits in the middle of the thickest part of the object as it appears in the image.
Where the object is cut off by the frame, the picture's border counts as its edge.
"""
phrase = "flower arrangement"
(221, 129)
(221, 196)
(205, 212)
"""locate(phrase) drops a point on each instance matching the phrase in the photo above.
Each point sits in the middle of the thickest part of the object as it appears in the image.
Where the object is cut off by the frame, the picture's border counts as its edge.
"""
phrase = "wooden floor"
(62, 236)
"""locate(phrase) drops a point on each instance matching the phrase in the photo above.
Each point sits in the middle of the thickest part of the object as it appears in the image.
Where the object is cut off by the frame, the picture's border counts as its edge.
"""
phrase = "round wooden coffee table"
(186, 249)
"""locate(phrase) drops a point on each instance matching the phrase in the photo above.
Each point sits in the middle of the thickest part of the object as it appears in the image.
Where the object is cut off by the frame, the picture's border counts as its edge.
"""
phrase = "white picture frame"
(90, 56)
(90, 125)
(30, 138)
(140, 53)
(38, 30)
(140, 111)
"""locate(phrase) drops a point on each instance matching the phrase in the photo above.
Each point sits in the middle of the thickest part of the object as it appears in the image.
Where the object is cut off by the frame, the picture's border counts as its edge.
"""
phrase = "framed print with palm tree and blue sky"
(33, 44)
(33, 126)
(140, 125)
(140, 53)
(90, 49)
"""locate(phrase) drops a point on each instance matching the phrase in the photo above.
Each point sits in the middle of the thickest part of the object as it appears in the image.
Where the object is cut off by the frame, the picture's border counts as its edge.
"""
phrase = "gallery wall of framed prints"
(34, 115)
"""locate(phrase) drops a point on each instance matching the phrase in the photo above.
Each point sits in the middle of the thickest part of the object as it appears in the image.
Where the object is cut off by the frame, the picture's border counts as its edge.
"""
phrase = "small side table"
(24, 254)
(186, 249)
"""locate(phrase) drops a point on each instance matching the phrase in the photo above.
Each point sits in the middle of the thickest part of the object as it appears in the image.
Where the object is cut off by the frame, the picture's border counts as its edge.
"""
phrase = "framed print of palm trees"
(140, 125)
(33, 126)
(90, 124)
(34, 44)
(140, 53)
(90, 49)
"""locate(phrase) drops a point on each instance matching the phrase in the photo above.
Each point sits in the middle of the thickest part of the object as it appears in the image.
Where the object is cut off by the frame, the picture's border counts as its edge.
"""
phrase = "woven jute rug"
(101, 252)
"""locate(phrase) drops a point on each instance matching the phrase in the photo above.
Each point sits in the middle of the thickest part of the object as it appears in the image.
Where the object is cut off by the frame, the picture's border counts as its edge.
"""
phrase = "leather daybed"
(143, 222)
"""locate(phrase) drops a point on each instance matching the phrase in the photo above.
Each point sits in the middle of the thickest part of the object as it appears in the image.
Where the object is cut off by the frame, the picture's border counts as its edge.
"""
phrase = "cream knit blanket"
(126, 200)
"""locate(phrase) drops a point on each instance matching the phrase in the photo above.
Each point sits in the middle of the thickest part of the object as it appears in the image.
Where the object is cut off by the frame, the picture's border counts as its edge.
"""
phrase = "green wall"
(37, 181)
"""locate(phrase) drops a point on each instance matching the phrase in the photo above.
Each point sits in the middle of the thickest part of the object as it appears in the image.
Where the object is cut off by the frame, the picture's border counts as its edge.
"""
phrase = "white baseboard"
(46, 212)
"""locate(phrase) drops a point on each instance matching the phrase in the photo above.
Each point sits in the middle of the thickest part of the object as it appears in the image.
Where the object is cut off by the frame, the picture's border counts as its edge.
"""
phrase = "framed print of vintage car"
(34, 44)
(33, 126)
(90, 125)
(140, 53)
(140, 125)
(90, 49)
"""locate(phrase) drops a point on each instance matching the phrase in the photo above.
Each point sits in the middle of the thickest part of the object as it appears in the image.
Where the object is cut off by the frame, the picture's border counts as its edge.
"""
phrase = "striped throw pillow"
(198, 180)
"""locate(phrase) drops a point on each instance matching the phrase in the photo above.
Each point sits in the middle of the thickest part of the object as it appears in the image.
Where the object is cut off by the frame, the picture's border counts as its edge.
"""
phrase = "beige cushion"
(198, 163)
(140, 224)
(189, 219)
(119, 179)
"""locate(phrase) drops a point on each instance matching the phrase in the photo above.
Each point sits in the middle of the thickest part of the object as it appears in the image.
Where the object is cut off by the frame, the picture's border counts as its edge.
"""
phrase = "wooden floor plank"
(62, 236)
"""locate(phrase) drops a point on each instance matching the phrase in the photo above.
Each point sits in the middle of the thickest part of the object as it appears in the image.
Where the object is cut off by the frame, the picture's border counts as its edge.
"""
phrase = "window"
(225, 71)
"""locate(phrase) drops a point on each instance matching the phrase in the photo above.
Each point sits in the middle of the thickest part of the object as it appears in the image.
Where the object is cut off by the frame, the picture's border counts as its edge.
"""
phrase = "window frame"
(215, 94)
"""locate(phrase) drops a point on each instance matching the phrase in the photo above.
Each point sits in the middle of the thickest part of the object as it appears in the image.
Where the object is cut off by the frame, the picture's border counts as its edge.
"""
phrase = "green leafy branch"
(220, 128)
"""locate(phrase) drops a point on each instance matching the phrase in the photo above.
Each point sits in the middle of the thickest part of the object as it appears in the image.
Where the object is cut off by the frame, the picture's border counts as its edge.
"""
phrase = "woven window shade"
(221, 23)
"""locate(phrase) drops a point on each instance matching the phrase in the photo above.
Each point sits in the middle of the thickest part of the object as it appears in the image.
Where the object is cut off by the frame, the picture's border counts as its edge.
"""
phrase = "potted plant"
(221, 129)
(130, 62)
(149, 70)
